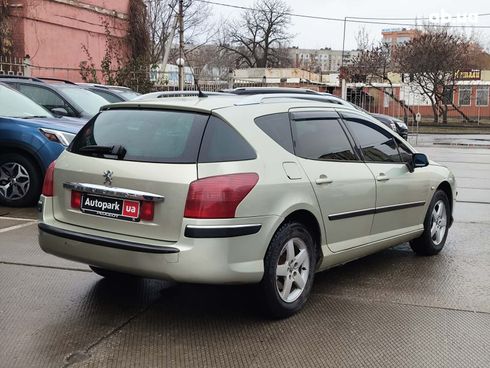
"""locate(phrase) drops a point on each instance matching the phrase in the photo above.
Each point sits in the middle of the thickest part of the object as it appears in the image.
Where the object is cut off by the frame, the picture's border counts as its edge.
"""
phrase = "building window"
(482, 96)
(464, 96)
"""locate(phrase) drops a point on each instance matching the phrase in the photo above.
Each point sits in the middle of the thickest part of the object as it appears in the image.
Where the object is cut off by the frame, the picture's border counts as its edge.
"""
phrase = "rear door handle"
(323, 179)
(382, 177)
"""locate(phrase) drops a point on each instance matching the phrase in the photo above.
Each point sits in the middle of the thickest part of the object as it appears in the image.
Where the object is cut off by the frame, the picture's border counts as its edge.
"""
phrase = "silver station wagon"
(240, 189)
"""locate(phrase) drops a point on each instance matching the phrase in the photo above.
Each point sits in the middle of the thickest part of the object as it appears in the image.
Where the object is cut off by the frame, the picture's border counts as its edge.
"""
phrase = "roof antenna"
(196, 82)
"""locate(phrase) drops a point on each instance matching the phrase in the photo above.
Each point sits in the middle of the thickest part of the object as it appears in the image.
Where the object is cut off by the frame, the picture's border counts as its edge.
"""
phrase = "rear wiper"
(116, 150)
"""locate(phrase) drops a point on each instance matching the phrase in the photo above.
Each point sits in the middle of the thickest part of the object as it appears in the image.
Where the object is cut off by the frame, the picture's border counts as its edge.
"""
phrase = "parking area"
(392, 309)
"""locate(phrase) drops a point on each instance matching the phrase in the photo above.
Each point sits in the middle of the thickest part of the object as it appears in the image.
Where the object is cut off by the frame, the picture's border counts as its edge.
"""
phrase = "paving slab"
(23, 212)
(47, 315)
(20, 246)
(329, 332)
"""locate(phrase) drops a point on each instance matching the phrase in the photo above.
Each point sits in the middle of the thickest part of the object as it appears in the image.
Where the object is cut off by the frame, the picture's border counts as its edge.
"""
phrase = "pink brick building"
(52, 32)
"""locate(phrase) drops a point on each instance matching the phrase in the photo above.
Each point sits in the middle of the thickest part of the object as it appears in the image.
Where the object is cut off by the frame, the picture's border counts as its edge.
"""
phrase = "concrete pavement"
(392, 309)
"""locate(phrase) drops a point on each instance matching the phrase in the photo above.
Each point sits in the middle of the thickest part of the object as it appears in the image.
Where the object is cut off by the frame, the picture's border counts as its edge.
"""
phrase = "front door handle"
(382, 177)
(323, 179)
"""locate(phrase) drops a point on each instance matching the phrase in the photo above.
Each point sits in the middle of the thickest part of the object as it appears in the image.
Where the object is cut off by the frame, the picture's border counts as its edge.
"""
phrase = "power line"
(362, 20)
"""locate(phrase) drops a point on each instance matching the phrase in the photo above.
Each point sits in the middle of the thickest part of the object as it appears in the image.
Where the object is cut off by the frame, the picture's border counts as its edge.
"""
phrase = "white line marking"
(15, 227)
(17, 218)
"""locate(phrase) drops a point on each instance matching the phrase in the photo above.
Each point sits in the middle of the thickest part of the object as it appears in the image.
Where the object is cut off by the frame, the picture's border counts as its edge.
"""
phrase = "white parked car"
(240, 189)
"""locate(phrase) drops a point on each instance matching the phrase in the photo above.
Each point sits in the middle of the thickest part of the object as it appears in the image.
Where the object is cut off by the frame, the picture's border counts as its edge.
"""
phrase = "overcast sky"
(311, 33)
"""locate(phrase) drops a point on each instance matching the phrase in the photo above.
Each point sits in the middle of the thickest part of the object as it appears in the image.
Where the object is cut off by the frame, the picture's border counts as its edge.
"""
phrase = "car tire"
(436, 226)
(112, 275)
(20, 180)
(289, 270)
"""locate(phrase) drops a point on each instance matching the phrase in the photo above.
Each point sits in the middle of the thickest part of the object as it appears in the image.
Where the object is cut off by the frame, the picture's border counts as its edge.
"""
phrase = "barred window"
(482, 96)
(464, 96)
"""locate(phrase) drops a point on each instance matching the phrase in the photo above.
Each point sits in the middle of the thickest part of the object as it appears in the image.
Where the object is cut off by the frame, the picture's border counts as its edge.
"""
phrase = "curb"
(461, 145)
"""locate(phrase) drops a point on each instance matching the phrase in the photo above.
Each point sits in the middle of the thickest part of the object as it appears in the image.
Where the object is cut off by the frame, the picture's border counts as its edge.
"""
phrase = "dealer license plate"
(122, 209)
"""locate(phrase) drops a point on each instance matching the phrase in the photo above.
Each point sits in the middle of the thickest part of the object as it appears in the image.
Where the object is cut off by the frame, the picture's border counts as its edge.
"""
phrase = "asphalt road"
(392, 309)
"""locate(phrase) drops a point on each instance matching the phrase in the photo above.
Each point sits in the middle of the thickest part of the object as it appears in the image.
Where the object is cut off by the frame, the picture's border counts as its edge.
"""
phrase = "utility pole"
(181, 45)
(343, 85)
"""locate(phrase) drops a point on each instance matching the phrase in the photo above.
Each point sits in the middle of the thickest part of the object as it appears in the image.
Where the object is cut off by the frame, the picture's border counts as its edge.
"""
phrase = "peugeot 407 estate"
(240, 190)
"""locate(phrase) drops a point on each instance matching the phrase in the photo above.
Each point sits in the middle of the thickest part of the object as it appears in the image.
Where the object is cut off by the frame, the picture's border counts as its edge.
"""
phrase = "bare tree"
(432, 60)
(362, 39)
(162, 18)
(259, 38)
(373, 66)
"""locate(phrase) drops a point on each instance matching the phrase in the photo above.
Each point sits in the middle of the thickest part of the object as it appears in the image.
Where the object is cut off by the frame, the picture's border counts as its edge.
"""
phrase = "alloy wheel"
(292, 270)
(14, 181)
(438, 222)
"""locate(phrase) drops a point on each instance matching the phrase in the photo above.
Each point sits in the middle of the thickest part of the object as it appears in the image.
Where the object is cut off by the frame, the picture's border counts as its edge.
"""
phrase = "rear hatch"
(125, 161)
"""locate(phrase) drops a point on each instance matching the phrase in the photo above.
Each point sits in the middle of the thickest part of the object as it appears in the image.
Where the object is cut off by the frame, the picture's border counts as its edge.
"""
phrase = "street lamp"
(180, 63)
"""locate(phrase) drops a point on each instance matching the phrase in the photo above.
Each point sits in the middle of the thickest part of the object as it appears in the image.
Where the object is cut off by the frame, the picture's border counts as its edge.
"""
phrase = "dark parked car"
(62, 98)
(111, 93)
(400, 127)
(30, 139)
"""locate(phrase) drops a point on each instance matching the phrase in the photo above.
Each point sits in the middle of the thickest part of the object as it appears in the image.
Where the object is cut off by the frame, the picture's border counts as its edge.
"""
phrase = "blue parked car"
(30, 139)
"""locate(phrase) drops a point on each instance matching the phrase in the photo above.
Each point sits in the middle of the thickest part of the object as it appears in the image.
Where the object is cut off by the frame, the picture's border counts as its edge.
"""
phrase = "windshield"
(88, 101)
(14, 104)
(130, 95)
(359, 108)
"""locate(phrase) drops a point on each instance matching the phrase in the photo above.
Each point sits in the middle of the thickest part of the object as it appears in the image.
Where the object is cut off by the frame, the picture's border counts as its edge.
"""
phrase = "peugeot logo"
(107, 177)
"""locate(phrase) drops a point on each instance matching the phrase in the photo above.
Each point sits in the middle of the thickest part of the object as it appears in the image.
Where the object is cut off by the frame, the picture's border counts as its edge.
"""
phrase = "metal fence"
(10, 65)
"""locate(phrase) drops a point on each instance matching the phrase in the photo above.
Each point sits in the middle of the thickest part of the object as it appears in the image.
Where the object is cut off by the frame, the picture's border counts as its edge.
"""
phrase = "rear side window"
(146, 135)
(322, 139)
(277, 127)
(222, 143)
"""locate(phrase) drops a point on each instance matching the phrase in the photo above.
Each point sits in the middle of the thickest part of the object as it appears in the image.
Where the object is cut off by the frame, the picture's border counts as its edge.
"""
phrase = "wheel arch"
(309, 220)
(446, 188)
(24, 151)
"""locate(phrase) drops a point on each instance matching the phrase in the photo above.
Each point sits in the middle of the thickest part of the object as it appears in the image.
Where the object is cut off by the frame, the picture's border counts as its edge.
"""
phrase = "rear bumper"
(195, 257)
(106, 242)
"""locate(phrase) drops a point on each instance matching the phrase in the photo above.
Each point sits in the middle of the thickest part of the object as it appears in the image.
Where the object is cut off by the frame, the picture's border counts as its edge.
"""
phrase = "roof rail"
(261, 98)
(57, 80)
(23, 77)
(92, 85)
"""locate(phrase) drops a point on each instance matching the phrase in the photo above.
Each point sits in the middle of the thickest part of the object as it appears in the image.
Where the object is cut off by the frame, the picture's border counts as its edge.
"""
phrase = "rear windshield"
(145, 135)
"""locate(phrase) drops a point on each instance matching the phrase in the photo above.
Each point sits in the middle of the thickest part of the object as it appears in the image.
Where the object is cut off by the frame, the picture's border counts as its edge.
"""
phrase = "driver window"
(375, 144)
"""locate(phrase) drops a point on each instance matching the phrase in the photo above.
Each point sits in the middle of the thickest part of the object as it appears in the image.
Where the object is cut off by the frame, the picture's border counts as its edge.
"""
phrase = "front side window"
(405, 153)
(322, 139)
(375, 144)
(45, 97)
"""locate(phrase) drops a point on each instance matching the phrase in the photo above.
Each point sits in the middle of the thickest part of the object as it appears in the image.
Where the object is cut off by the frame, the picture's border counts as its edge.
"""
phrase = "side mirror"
(59, 111)
(418, 160)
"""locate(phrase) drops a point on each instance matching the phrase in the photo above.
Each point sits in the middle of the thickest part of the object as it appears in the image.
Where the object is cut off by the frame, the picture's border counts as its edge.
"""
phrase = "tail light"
(48, 181)
(218, 196)
(76, 199)
(147, 210)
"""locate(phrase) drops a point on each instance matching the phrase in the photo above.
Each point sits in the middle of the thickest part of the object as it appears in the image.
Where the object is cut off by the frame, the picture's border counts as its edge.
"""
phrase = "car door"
(401, 195)
(343, 184)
